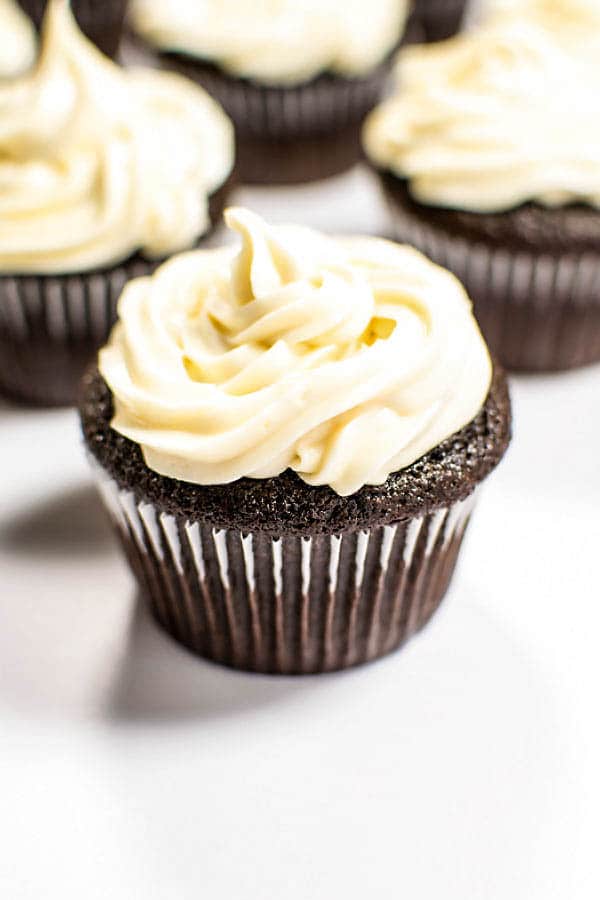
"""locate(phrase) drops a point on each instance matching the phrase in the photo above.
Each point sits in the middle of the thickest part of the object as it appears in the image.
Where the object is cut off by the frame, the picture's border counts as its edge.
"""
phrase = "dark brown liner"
(51, 326)
(436, 20)
(539, 312)
(293, 134)
(289, 605)
(101, 20)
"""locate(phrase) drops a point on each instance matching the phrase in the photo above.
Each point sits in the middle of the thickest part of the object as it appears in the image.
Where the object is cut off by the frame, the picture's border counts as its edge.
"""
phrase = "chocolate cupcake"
(289, 440)
(104, 171)
(436, 20)
(487, 156)
(17, 40)
(297, 80)
(100, 20)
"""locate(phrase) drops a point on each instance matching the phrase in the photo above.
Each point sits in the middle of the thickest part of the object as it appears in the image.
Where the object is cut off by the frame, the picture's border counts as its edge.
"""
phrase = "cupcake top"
(343, 360)
(98, 162)
(17, 40)
(278, 42)
(500, 116)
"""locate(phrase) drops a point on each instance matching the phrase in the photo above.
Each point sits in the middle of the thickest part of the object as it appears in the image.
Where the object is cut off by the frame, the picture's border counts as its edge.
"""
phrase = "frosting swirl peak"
(344, 360)
(98, 162)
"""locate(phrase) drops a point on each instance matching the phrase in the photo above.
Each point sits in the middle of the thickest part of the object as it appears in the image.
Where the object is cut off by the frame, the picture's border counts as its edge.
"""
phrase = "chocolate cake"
(51, 326)
(286, 504)
(278, 577)
(288, 135)
(532, 274)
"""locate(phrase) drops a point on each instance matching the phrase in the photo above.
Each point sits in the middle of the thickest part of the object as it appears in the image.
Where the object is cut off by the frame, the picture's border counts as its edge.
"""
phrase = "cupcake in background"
(296, 76)
(103, 171)
(289, 439)
(101, 20)
(436, 20)
(488, 153)
(17, 40)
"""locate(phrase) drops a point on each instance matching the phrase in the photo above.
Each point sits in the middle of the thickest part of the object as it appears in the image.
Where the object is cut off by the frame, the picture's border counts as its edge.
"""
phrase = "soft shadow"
(70, 523)
(160, 681)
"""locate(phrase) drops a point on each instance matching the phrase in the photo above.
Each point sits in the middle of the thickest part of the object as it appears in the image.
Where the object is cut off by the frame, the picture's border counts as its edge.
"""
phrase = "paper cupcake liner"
(101, 20)
(292, 134)
(273, 161)
(538, 312)
(51, 326)
(438, 19)
(287, 605)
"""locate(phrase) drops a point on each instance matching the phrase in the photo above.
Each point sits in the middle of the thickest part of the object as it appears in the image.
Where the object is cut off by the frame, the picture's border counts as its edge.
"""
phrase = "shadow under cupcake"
(297, 83)
(289, 440)
(487, 156)
(129, 167)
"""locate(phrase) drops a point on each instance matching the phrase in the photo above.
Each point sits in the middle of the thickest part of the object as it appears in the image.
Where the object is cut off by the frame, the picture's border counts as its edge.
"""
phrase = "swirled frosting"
(344, 360)
(276, 41)
(98, 162)
(17, 40)
(501, 115)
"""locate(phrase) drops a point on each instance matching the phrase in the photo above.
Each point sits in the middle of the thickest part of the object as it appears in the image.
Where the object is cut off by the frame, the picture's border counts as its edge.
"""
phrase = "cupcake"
(290, 438)
(436, 20)
(297, 77)
(488, 157)
(101, 20)
(103, 170)
(17, 40)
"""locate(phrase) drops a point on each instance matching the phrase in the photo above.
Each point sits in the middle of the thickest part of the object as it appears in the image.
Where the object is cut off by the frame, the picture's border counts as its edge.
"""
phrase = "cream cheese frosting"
(276, 41)
(98, 162)
(499, 116)
(343, 359)
(17, 40)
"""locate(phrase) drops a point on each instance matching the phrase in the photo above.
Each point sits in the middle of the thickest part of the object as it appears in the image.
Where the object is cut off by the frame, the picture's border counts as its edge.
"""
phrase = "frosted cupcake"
(100, 20)
(102, 171)
(290, 438)
(296, 76)
(17, 40)
(488, 154)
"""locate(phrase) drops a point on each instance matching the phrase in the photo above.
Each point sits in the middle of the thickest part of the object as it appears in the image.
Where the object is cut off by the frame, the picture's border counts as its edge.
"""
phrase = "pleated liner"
(438, 19)
(51, 327)
(538, 312)
(291, 134)
(101, 20)
(290, 605)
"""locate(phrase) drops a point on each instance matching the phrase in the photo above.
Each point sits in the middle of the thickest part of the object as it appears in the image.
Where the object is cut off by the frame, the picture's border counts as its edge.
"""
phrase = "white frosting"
(276, 41)
(17, 40)
(345, 360)
(97, 162)
(501, 115)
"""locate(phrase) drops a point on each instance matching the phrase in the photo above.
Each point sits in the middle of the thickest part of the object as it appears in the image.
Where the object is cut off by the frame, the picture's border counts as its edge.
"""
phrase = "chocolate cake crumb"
(286, 504)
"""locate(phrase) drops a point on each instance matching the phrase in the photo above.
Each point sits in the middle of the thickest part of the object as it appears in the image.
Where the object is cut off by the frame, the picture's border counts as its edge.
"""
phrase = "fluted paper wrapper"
(538, 312)
(287, 605)
(101, 20)
(52, 326)
(291, 134)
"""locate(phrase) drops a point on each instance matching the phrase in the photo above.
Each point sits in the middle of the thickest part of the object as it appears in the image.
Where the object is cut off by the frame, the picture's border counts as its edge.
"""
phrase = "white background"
(463, 768)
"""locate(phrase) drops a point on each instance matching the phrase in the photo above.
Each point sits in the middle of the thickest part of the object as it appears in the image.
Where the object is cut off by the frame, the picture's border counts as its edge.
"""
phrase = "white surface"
(463, 768)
